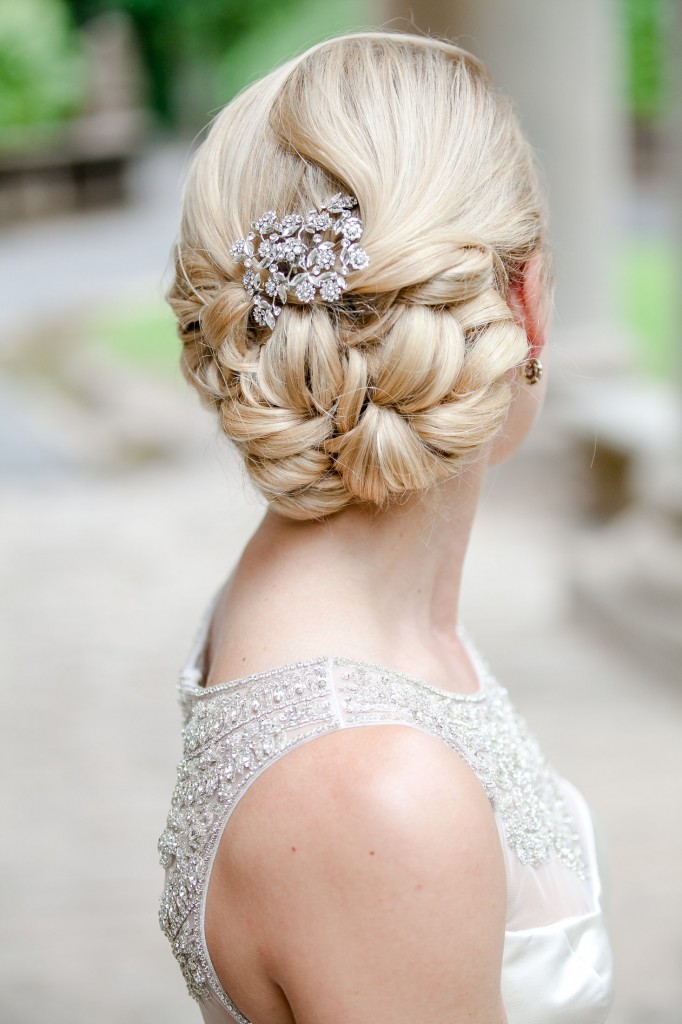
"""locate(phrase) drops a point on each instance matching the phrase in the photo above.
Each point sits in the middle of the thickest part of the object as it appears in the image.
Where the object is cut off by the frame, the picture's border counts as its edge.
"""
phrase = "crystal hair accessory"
(307, 256)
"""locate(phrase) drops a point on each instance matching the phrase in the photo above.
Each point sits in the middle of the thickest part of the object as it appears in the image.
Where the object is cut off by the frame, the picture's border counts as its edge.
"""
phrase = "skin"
(361, 877)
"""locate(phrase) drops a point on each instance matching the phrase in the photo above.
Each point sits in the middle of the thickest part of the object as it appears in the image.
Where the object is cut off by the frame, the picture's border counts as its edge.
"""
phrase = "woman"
(361, 291)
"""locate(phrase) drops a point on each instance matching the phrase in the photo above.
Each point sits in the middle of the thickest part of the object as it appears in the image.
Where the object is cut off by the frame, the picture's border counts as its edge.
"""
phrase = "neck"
(395, 572)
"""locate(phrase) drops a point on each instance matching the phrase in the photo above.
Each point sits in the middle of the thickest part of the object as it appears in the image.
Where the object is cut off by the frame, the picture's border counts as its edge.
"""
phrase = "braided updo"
(390, 388)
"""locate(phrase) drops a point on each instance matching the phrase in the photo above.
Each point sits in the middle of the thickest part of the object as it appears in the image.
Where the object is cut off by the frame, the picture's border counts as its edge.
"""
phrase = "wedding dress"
(557, 962)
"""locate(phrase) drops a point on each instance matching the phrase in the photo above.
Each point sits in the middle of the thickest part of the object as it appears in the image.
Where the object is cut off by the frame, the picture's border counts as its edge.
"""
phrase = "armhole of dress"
(336, 719)
(320, 726)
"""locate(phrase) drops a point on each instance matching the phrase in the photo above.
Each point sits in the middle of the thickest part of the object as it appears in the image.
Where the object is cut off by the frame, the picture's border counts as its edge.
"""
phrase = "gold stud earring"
(531, 371)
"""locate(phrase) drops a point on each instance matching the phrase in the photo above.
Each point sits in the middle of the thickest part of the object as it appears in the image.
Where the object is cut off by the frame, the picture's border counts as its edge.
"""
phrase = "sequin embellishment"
(232, 734)
(237, 730)
(494, 741)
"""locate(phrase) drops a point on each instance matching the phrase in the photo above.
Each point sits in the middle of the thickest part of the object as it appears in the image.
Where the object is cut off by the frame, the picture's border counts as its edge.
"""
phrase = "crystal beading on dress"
(235, 731)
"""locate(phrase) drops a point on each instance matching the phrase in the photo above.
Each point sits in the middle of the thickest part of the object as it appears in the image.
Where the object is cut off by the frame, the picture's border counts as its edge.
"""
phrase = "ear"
(529, 298)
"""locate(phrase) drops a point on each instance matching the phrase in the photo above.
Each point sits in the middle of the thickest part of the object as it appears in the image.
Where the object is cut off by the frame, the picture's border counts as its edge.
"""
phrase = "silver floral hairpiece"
(307, 255)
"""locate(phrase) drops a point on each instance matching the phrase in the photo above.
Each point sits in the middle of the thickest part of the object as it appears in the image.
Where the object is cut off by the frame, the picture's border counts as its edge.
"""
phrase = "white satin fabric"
(557, 966)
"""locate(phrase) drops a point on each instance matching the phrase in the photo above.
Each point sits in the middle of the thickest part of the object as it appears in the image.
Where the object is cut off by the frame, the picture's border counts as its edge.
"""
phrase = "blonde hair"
(389, 389)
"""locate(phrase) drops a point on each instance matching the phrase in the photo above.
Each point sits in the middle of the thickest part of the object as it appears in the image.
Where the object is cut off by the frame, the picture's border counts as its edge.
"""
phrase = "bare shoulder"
(369, 867)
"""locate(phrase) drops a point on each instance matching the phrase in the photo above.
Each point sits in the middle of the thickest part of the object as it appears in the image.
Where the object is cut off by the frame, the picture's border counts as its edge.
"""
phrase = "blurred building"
(76, 157)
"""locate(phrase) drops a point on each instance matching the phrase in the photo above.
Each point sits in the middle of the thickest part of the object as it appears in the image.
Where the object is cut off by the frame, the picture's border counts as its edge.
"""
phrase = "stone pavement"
(106, 569)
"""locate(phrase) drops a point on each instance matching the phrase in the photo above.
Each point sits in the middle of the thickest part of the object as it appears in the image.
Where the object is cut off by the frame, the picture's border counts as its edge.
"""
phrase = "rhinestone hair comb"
(308, 256)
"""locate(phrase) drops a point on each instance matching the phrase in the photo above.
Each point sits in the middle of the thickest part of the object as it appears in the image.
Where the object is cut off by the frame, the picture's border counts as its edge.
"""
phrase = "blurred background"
(122, 510)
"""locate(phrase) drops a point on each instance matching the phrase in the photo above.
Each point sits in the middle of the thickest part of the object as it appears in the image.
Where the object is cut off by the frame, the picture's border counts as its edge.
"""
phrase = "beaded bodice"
(235, 731)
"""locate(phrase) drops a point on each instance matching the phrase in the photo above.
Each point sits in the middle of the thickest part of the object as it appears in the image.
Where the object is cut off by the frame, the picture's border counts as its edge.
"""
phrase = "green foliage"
(175, 34)
(646, 53)
(214, 47)
(143, 333)
(41, 70)
(198, 28)
(648, 273)
(280, 36)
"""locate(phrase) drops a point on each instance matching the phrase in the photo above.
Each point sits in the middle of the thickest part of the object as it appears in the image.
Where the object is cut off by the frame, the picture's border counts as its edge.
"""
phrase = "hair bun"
(378, 457)
(394, 386)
